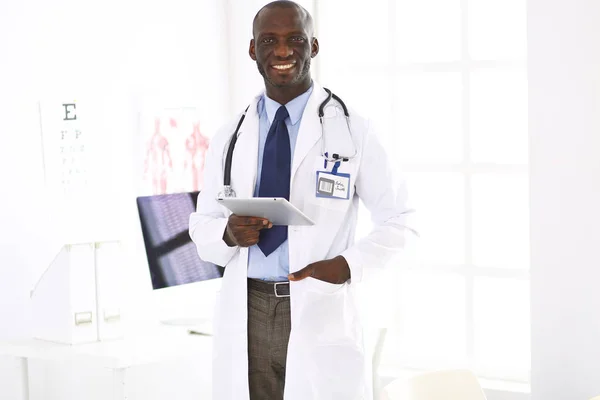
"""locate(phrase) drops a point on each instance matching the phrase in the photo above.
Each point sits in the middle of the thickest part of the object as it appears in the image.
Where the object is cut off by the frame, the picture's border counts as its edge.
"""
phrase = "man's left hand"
(335, 270)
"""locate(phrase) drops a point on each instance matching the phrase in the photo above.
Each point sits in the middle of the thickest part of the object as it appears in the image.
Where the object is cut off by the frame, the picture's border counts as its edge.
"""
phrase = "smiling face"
(283, 47)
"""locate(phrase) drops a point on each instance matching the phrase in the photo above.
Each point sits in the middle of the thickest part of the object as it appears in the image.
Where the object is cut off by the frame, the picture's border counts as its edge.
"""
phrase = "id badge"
(333, 186)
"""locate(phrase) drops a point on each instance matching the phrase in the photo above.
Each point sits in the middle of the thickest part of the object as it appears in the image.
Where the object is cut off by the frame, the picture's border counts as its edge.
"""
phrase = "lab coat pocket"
(327, 314)
(319, 286)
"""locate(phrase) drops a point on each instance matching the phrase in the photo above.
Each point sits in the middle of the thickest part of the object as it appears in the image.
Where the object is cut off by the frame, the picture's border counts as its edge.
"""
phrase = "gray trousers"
(268, 334)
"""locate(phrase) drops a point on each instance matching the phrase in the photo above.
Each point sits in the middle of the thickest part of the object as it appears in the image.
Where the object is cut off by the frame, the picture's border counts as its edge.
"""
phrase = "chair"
(441, 385)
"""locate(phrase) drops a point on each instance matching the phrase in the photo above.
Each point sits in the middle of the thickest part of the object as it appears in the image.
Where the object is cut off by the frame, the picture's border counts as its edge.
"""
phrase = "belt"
(277, 289)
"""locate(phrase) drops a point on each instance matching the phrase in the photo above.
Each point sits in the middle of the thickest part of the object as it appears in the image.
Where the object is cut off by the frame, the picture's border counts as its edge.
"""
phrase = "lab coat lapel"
(310, 128)
(245, 155)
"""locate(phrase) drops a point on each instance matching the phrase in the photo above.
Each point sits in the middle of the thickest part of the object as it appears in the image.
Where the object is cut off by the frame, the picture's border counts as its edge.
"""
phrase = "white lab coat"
(326, 357)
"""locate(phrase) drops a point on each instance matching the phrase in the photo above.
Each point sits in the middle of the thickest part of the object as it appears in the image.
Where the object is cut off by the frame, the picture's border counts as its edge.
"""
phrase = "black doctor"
(282, 46)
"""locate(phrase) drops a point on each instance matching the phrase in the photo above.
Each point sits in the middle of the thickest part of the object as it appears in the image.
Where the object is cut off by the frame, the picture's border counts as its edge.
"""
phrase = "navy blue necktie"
(275, 177)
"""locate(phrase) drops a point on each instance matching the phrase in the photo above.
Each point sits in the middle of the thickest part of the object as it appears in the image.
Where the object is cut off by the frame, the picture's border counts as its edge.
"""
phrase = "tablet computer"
(276, 209)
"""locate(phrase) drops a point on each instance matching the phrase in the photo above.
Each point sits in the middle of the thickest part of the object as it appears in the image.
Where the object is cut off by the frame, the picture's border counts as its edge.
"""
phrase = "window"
(446, 82)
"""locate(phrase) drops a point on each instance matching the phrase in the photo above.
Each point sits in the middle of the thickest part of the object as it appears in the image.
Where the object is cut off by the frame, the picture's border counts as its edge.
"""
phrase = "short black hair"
(308, 20)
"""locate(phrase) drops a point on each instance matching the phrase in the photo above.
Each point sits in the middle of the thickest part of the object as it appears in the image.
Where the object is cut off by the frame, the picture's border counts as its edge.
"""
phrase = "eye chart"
(65, 147)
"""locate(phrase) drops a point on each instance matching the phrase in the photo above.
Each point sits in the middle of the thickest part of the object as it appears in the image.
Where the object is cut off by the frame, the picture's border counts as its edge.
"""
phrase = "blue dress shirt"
(276, 266)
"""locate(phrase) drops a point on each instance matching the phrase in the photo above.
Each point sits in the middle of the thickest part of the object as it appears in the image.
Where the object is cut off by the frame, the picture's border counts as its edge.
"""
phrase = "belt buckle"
(275, 289)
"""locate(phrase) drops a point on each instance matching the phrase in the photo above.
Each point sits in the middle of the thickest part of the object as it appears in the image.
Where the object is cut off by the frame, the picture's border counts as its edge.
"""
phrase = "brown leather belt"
(277, 289)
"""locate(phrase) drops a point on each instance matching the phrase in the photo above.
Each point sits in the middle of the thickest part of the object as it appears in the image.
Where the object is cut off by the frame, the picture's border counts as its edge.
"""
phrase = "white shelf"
(157, 345)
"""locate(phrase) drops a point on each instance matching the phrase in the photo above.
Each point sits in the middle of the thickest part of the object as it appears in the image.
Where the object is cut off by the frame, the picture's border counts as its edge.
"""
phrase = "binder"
(64, 300)
(78, 299)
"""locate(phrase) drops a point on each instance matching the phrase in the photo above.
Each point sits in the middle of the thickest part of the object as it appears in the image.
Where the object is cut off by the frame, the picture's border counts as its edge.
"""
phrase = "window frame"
(467, 168)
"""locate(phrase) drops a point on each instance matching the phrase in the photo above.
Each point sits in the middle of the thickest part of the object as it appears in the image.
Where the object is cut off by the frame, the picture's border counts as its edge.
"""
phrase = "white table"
(159, 364)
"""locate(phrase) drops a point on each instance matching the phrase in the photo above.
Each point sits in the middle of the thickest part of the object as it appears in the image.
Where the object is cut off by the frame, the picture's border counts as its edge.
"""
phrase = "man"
(286, 321)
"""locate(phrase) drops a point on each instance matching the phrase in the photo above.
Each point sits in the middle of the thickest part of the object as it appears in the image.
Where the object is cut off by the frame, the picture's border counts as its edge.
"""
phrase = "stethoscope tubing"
(234, 137)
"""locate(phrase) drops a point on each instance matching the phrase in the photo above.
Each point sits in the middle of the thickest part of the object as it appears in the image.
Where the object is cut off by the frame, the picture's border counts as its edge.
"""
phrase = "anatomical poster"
(173, 150)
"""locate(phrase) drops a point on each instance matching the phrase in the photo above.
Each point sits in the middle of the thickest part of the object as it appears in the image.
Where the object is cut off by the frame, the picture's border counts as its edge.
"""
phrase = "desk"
(161, 364)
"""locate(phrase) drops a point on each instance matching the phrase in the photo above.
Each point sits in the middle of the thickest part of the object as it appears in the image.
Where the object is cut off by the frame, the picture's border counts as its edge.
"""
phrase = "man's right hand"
(244, 231)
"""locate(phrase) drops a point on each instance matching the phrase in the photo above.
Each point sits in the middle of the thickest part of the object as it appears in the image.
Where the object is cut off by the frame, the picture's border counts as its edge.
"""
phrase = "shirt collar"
(295, 107)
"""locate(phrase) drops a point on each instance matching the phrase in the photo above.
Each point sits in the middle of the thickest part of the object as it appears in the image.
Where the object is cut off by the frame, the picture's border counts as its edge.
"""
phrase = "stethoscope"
(335, 158)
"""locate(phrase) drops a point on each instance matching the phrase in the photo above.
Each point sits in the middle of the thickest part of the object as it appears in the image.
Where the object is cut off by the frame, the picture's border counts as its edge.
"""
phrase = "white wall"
(564, 104)
(118, 53)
